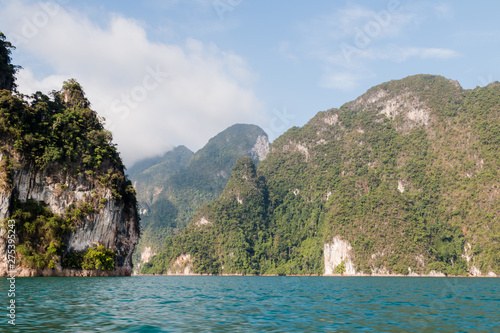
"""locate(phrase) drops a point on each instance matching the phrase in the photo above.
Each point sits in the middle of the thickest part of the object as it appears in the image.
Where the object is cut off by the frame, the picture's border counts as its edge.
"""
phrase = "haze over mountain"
(402, 180)
(172, 187)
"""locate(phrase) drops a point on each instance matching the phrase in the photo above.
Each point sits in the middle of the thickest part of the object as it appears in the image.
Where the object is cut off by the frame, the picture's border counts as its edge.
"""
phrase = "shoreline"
(66, 272)
(96, 273)
(124, 271)
(331, 275)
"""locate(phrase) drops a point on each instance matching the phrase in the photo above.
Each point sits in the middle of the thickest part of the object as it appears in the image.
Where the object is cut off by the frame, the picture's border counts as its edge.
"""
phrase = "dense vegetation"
(7, 69)
(42, 235)
(61, 133)
(234, 241)
(93, 258)
(172, 187)
(34, 220)
(407, 174)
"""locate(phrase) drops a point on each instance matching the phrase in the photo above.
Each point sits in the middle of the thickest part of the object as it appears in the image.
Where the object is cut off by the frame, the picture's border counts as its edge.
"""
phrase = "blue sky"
(166, 73)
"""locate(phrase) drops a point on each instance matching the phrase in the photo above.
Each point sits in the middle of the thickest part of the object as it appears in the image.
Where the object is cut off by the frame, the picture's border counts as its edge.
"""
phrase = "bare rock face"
(147, 254)
(113, 224)
(261, 148)
(407, 108)
(183, 265)
(337, 252)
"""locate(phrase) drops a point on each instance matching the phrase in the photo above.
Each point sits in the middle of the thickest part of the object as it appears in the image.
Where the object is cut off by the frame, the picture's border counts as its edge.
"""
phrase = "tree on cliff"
(7, 70)
(62, 137)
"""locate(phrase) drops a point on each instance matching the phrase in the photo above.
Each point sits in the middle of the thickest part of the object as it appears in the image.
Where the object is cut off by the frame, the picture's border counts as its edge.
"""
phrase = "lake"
(253, 304)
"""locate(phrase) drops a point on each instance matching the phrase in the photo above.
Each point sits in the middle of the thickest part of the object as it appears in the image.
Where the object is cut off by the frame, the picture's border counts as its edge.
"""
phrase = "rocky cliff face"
(338, 253)
(64, 198)
(113, 224)
(62, 181)
(261, 148)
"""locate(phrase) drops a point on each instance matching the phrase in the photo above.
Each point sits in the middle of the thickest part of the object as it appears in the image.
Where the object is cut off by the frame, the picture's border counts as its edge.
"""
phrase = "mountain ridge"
(399, 181)
(170, 195)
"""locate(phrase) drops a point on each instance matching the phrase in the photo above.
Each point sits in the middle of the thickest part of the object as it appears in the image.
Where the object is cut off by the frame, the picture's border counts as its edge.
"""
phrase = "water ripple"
(255, 304)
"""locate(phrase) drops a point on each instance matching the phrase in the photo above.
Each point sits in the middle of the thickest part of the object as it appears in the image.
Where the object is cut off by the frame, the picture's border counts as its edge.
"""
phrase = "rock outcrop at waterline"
(114, 225)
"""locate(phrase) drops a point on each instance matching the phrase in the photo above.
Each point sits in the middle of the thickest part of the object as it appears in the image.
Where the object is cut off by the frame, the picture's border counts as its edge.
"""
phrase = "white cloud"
(354, 22)
(153, 95)
(346, 39)
(166, 4)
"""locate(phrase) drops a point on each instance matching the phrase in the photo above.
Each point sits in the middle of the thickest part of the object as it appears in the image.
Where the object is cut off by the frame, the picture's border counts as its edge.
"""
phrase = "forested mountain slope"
(403, 180)
(171, 188)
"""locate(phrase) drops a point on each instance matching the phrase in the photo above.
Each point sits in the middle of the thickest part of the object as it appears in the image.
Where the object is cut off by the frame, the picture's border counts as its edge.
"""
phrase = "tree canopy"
(406, 173)
(7, 69)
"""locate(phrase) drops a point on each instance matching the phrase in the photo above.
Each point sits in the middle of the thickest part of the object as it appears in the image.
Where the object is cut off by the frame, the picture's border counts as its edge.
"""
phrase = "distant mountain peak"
(410, 102)
(170, 188)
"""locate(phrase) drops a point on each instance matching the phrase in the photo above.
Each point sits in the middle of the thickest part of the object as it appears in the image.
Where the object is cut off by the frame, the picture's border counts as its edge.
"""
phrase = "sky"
(177, 72)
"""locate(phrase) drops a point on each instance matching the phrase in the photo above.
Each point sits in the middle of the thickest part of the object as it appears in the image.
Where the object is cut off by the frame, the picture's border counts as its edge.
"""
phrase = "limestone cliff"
(63, 182)
(338, 257)
(114, 225)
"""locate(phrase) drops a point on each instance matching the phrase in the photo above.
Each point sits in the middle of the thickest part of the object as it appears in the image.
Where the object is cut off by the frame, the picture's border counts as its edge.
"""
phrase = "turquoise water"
(254, 304)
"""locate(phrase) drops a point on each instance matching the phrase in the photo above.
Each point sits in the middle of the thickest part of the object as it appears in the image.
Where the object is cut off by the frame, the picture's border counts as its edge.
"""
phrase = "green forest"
(172, 187)
(407, 174)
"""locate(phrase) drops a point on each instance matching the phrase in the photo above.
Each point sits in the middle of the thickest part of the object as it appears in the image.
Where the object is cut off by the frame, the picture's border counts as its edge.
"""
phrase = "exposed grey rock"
(114, 226)
(261, 148)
